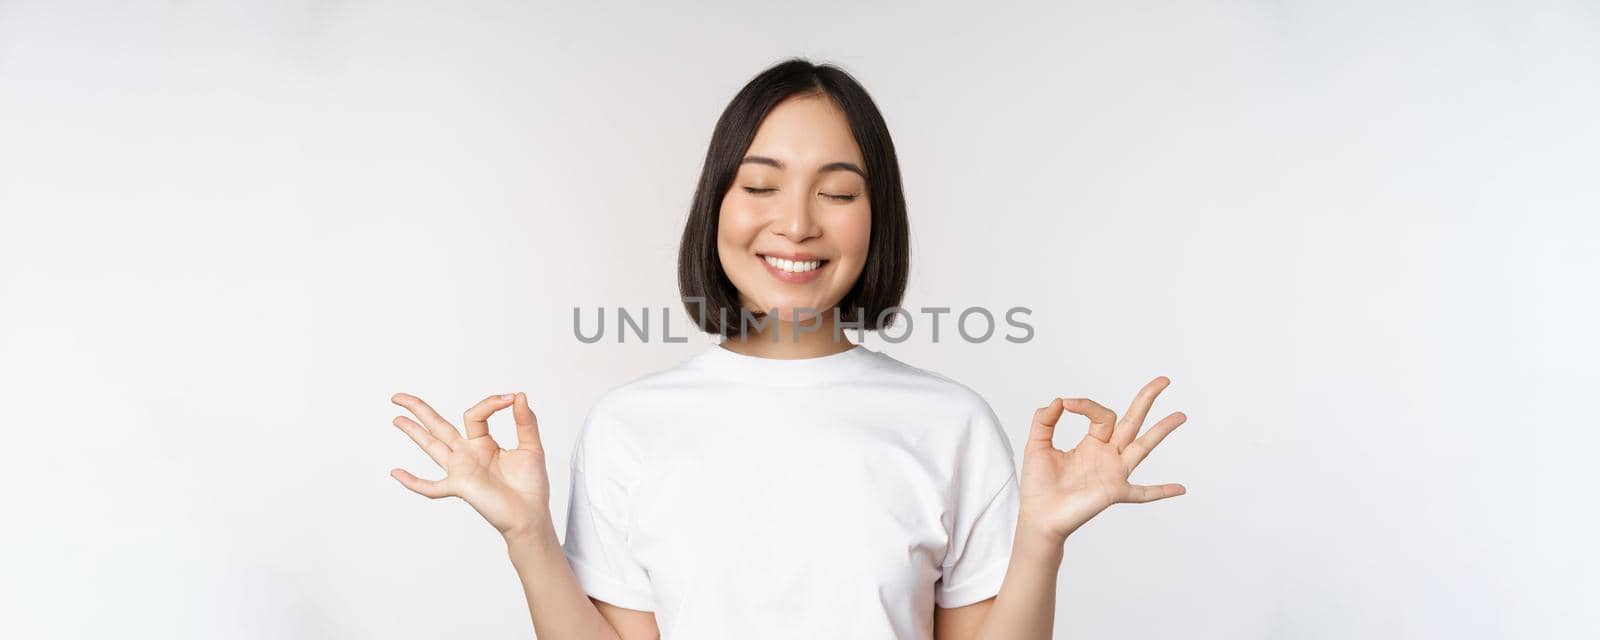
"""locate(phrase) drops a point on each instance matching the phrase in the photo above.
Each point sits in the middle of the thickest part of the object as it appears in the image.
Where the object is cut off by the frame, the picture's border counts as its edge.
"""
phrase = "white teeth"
(793, 266)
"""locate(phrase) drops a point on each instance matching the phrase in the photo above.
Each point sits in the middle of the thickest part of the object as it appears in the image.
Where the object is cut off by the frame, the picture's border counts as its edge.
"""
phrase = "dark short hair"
(708, 294)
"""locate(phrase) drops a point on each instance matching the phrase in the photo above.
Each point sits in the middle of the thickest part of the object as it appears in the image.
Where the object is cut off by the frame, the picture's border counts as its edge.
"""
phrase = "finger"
(1101, 419)
(1136, 452)
(1042, 433)
(527, 424)
(1133, 420)
(436, 424)
(477, 418)
(429, 488)
(435, 449)
(1140, 493)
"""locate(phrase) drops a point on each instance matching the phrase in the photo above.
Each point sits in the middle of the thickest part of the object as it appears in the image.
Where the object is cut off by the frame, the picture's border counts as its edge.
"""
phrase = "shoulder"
(969, 422)
(646, 394)
(611, 433)
(973, 442)
(947, 394)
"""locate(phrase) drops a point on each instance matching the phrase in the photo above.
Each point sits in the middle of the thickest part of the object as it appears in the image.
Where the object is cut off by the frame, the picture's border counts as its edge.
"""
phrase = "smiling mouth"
(793, 266)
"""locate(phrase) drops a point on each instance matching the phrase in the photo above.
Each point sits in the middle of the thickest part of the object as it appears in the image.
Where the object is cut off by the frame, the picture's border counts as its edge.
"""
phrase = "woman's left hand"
(1061, 490)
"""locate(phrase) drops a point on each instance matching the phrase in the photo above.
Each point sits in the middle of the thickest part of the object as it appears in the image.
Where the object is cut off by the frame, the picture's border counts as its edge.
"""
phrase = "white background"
(1359, 237)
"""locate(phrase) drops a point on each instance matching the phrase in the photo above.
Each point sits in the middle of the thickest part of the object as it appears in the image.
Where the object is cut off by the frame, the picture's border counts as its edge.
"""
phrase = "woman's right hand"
(508, 487)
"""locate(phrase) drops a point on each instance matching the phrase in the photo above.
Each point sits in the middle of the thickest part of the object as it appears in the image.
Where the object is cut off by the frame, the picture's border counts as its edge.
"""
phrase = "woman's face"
(795, 223)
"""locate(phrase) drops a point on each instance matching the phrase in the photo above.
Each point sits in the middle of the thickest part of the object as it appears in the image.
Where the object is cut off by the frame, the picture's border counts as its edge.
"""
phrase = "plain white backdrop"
(1359, 237)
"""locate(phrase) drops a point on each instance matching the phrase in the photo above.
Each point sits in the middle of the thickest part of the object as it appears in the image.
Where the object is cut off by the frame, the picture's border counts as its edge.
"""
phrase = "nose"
(796, 221)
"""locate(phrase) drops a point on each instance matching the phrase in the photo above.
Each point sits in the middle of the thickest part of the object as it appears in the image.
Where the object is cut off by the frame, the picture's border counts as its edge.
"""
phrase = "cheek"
(855, 236)
(736, 230)
(727, 225)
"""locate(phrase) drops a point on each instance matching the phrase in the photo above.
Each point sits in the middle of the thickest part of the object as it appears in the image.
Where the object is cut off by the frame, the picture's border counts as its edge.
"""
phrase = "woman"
(788, 483)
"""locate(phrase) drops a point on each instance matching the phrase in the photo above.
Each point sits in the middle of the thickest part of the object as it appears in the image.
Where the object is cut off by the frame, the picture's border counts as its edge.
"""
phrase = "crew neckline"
(816, 370)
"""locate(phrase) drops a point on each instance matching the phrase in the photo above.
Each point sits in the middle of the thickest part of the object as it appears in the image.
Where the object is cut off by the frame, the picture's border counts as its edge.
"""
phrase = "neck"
(784, 341)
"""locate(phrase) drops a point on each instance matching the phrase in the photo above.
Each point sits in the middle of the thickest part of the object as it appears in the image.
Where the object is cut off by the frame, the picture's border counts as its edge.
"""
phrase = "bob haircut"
(708, 294)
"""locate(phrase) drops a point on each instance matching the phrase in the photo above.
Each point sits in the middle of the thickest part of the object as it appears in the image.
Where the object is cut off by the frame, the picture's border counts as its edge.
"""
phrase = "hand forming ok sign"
(1061, 490)
(508, 487)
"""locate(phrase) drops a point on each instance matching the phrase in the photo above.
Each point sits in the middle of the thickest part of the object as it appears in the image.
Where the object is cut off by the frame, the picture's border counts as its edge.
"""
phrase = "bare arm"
(557, 603)
(630, 624)
(1061, 491)
(510, 489)
(1026, 605)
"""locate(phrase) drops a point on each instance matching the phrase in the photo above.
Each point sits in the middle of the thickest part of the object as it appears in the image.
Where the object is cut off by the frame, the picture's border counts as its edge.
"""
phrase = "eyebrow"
(831, 166)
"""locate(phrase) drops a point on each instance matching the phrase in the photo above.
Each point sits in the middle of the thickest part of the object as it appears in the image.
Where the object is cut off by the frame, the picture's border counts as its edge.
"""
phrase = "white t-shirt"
(833, 497)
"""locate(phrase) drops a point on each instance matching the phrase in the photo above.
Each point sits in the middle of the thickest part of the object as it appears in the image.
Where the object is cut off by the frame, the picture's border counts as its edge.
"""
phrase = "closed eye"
(840, 197)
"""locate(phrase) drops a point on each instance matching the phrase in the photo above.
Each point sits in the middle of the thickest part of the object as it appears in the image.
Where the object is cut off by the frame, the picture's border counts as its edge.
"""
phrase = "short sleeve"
(598, 517)
(985, 520)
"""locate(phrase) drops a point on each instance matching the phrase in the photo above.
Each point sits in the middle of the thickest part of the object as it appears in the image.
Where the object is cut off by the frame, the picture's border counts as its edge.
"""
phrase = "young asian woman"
(787, 482)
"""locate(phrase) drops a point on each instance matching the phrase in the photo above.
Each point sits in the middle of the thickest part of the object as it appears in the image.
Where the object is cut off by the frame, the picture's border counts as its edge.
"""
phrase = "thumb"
(1042, 433)
(527, 423)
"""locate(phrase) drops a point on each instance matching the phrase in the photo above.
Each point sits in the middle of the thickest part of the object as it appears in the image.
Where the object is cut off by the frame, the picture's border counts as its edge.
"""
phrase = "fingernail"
(506, 396)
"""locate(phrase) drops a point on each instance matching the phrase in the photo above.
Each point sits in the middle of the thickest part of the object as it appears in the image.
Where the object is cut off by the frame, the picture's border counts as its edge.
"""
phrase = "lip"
(798, 257)
(793, 278)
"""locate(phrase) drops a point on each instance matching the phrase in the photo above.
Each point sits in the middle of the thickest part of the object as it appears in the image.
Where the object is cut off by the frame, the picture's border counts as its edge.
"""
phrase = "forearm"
(1025, 609)
(557, 603)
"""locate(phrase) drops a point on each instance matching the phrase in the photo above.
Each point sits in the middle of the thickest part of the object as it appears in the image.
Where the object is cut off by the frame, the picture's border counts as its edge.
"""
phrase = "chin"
(796, 312)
